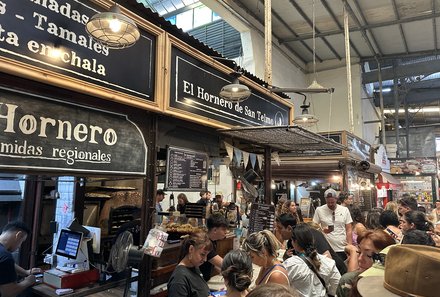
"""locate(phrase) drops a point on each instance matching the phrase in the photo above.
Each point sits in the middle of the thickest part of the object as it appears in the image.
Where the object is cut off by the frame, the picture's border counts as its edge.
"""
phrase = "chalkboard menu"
(186, 170)
(262, 217)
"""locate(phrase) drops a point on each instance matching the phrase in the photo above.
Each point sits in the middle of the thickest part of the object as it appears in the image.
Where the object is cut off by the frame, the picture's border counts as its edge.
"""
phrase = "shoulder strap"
(313, 268)
(273, 271)
(267, 274)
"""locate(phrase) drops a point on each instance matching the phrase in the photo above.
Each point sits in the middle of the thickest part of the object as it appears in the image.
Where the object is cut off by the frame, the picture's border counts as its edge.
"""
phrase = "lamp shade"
(305, 119)
(235, 92)
(113, 29)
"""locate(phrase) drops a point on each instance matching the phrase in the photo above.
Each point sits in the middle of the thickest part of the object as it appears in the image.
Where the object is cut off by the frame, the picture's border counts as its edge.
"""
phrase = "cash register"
(71, 261)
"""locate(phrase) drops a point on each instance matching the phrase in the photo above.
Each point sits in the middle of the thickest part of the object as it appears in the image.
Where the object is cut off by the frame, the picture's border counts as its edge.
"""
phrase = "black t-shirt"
(7, 267)
(202, 202)
(206, 268)
(187, 282)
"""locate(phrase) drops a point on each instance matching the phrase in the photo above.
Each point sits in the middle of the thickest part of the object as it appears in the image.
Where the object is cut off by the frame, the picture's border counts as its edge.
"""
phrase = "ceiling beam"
(415, 54)
(402, 34)
(363, 32)
(307, 19)
(365, 27)
(335, 19)
(364, 20)
(279, 19)
(400, 71)
(414, 96)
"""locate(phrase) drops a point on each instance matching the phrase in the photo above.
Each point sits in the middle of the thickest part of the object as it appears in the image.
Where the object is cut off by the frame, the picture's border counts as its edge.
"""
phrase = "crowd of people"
(330, 255)
(340, 253)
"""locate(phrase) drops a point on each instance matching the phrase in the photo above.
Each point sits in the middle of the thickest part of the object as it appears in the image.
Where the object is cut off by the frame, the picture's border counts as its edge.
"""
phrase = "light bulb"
(304, 119)
(234, 89)
(115, 25)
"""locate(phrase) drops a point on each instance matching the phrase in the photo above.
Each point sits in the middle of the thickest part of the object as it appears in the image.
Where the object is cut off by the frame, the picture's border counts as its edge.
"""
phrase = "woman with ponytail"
(415, 219)
(237, 273)
(187, 280)
(310, 273)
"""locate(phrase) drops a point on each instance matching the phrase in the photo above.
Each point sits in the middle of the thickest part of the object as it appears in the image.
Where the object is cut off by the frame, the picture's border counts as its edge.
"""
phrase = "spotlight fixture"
(235, 92)
(113, 29)
(305, 119)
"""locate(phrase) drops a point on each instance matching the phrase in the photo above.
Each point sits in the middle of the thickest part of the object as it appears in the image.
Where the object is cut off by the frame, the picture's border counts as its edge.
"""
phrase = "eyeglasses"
(379, 258)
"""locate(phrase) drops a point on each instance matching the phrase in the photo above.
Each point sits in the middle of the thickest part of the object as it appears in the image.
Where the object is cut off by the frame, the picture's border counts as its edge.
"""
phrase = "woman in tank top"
(263, 248)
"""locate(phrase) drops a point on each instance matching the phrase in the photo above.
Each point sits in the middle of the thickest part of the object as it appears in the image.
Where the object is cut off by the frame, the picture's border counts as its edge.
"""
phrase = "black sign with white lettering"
(45, 134)
(195, 88)
(50, 34)
(262, 217)
(186, 170)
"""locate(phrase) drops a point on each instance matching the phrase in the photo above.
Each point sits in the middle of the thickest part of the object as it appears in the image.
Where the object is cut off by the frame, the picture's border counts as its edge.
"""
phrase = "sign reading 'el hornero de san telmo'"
(30, 30)
(46, 134)
(195, 88)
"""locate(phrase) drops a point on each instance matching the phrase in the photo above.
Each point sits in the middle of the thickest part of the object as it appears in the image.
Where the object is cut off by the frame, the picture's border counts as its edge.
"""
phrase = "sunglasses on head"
(379, 258)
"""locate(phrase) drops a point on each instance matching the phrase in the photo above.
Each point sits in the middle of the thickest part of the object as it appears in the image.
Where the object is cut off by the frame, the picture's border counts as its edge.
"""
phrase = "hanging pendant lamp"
(235, 92)
(306, 119)
(113, 29)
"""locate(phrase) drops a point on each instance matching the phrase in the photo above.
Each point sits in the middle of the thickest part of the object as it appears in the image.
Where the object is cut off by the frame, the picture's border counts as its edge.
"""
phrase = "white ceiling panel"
(420, 35)
(389, 39)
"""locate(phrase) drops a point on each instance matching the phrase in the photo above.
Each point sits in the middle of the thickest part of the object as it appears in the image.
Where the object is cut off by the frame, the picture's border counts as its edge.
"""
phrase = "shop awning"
(283, 138)
(389, 178)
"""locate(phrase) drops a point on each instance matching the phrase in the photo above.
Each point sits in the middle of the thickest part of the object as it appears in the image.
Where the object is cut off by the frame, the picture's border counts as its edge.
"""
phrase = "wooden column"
(267, 175)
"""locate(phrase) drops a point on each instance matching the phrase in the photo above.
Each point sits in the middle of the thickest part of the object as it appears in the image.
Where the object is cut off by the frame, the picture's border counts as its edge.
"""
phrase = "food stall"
(348, 168)
(418, 178)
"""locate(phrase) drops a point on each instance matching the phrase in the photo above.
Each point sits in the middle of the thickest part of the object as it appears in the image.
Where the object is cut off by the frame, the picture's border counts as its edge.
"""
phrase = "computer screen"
(68, 244)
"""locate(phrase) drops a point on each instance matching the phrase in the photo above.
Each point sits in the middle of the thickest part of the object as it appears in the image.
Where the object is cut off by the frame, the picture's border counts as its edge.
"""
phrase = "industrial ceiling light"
(235, 92)
(113, 29)
(305, 119)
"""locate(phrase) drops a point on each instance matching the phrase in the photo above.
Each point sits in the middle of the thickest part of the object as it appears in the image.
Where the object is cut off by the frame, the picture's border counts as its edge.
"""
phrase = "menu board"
(186, 170)
(304, 205)
(262, 217)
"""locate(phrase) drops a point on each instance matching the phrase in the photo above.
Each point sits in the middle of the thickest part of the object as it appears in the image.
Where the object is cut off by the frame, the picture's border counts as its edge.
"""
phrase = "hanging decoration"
(229, 150)
(245, 158)
(276, 157)
(260, 160)
(253, 159)
(237, 154)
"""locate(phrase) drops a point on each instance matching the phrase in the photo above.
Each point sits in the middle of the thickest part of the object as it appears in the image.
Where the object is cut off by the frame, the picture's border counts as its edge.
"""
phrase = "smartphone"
(39, 275)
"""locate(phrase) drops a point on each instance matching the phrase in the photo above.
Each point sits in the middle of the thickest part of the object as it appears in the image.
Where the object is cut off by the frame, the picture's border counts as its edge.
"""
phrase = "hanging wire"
(314, 40)
(330, 114)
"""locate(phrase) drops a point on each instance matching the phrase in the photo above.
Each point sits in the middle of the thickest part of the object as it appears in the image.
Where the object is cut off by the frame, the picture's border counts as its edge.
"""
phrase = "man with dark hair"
(405, 204)
(285, 224)
(419, 237)
(13, 235)
(160, 196)
(217, 228)
(203, 198)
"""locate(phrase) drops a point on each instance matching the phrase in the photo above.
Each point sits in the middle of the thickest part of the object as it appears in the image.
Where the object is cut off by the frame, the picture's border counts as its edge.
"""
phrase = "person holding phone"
(11, 238)
(335, 221)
